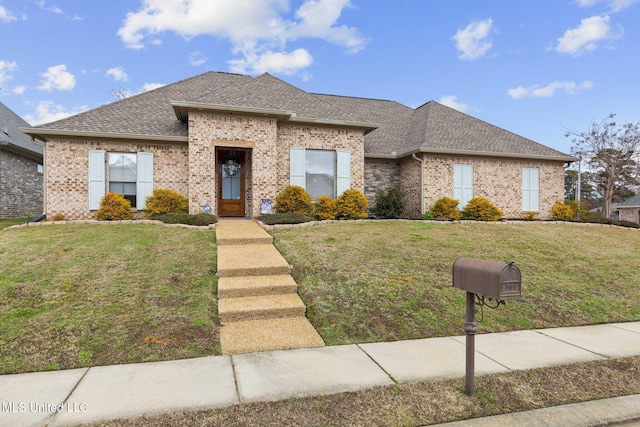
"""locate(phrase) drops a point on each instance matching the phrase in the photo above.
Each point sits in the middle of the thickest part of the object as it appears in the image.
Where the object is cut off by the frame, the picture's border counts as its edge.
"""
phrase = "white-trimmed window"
(530, 189)
(129, 174)
(462, 184)
(320, 172)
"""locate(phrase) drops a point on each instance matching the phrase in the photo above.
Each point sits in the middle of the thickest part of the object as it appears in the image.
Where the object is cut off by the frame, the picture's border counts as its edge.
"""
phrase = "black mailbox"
(492, 279)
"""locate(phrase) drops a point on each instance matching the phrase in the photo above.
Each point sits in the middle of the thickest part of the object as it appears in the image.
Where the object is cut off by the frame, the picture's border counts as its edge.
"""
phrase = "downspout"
(44, 177)
(421, 182)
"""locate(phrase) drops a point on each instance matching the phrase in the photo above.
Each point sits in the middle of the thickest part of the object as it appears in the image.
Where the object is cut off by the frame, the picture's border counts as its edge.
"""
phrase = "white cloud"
(6, 16)
(19, 90)
(58, 78)
(536, 91)
(585, 38)
(53, 9)
(196, 58)
(473, 41)
(278, 62)
(5, 71)
(47, 111)
(450, 101)
(151, 86)
(118, 74)
(615, 5)
(255, 28)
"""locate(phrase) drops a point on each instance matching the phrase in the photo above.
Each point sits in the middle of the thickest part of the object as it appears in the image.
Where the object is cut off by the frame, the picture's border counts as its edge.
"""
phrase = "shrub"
(294, 199)
(58, 217)
(529, 216)
(325, 208)
(200, 219)
(563, 212)
(165, 200)
(446, 207)
(389, 203)
(285, 218)
(481, 209)
(351, 205)
(114, 207)
(427, 216)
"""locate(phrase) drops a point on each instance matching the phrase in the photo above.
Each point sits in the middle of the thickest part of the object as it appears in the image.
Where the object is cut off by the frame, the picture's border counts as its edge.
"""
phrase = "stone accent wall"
(630, 214)
(380, 174)
(67, 168)
(20, 186)
(319, 138)
(499, 180)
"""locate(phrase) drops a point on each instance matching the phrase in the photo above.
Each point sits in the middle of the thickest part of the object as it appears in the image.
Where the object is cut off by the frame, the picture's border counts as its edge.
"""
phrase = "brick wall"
(498, 180)
(20, 186)
(629, 214)
(67, 166)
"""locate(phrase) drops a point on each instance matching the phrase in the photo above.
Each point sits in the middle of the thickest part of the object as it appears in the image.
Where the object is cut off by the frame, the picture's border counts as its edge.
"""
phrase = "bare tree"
(610, 151)
(120, 93)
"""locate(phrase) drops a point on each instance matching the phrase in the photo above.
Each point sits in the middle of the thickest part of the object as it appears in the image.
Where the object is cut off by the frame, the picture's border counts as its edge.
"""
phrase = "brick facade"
(20, 186)
(67, 166)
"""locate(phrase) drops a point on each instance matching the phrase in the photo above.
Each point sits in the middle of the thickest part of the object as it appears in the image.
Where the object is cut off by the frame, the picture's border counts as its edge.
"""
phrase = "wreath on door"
(231, 167)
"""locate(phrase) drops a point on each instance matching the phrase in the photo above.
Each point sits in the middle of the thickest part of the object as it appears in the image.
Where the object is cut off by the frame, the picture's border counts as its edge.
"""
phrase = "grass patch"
(424, 403)
(86, 295)
(8, 222)
(386, 281)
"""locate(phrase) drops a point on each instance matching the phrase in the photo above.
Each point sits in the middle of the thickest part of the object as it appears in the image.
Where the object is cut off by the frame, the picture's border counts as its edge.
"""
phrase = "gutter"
(421, 182)
(472, 153)
(42, 132)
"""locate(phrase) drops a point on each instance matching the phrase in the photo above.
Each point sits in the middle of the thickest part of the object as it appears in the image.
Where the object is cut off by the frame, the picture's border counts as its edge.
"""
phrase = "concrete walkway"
(123, 391)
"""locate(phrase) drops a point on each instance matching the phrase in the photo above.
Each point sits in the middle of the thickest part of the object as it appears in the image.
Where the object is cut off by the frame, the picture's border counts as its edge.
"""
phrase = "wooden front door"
(231, 173)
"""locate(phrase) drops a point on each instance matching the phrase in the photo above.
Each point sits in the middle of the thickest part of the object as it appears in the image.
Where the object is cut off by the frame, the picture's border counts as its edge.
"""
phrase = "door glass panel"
(231, 180)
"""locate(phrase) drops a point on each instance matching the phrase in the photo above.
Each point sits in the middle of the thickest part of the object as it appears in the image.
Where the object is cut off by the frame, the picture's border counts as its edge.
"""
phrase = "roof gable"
(11, 138)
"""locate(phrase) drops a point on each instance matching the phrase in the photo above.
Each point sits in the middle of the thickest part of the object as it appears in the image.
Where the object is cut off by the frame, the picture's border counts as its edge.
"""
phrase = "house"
(231, 143)
(21, 177)
(629, 210)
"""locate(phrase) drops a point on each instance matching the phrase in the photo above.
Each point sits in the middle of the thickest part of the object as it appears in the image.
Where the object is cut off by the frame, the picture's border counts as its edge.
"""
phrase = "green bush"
(427, 216)
(294, 199)
(351, 204)
(114, 207)
(446, 207)
(389, 203)
(481, 209)
(325, 208)
(284, 218)
(165, 200)
(200, 219)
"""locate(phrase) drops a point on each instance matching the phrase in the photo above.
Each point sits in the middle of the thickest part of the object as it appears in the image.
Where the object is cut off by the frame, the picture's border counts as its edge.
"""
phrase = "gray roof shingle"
(398, 130)
(12, 138)
(632, 202)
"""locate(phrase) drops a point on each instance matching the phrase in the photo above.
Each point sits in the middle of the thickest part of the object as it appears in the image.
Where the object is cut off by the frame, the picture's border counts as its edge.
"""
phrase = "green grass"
(87, 295)
(385, 281)
(4, 222)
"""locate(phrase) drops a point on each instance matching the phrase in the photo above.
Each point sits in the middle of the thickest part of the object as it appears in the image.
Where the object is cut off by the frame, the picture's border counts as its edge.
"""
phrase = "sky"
(536, 68)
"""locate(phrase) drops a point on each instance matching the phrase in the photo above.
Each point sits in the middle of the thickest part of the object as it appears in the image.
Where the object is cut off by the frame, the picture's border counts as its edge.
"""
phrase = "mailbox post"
(479, 278)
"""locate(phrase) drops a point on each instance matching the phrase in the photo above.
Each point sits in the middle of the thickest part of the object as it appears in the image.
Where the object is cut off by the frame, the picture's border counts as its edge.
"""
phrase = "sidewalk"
(108, 392)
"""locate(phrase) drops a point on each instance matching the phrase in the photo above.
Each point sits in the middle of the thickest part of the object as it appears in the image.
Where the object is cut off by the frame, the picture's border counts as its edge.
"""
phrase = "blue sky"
(535, 68)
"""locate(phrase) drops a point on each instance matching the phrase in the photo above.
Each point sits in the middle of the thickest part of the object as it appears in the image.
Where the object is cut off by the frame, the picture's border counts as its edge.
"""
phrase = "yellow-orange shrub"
(114, 207)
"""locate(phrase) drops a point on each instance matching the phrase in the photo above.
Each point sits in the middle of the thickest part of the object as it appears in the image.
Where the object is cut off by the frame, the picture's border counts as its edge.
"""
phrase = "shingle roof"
(632, 202)
(399, 130)
(12, 138)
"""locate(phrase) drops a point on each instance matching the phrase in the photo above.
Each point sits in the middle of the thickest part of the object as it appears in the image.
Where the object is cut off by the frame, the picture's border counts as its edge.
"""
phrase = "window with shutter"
(530, 189)
(462, 184)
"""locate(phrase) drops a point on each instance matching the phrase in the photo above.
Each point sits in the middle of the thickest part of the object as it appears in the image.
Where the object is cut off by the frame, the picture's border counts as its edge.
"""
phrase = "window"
(320, 172)
(129, 174)
(462, 183)
(123, 175)
(40, 169)
(530, 189)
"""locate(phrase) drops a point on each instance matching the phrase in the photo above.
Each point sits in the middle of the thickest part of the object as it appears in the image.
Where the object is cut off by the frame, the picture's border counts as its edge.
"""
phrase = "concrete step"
(250, 260)
(250, 286)
(260, 307)
(268, 334)
(241, 232)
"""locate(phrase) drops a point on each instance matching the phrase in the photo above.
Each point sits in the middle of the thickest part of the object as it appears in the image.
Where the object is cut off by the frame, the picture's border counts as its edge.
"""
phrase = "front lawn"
(385, 281)
(87, 295)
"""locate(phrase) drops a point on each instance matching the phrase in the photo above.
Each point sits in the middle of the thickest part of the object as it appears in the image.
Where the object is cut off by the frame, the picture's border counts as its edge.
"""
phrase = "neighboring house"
(230, 142)
(629, 210)
(21, 177)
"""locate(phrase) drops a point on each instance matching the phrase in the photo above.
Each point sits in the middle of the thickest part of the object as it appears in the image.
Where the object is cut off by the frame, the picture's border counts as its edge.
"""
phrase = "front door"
(231, 173)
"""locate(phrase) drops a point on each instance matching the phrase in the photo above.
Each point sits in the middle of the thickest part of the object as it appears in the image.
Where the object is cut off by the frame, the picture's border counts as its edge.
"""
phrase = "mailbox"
(492, 279)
